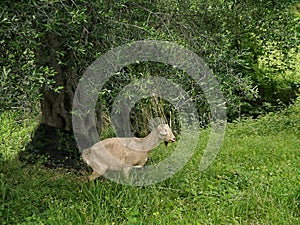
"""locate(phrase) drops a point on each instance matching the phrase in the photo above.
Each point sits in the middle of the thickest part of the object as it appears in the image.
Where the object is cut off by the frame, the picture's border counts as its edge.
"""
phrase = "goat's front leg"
(126, 171)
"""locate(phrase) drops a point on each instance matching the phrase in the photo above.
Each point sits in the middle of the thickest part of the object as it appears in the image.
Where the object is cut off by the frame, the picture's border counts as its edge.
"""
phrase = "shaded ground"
(53, 147)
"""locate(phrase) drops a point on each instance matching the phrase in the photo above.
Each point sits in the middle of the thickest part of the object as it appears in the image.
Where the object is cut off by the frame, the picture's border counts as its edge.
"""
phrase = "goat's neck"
(152, 140)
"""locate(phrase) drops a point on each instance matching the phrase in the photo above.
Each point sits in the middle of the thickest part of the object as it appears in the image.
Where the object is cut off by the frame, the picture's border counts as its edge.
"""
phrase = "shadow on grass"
(53, 147)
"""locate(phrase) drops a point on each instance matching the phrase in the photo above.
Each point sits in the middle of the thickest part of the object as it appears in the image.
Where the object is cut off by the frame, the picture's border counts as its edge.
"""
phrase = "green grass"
(255, 179)
(15, 132)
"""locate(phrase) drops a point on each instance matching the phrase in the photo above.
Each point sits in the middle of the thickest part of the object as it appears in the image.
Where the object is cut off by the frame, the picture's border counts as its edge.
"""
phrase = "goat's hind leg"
(93, 176)
(98, 170)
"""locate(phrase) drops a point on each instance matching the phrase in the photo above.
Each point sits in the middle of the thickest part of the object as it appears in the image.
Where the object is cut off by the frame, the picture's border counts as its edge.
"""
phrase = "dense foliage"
(251, 46)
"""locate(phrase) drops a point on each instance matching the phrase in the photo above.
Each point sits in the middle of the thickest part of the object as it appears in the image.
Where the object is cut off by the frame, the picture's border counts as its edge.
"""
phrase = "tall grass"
(254, 180)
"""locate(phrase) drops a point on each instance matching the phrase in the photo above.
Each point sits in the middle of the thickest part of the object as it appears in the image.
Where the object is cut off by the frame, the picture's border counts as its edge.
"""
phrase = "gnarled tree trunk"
(54, 138)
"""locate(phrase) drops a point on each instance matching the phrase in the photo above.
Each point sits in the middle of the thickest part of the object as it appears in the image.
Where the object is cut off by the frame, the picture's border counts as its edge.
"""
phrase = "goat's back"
(118, 152)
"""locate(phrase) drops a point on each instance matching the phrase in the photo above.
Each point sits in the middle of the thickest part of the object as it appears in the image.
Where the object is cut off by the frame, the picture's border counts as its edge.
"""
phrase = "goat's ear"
(162, 130)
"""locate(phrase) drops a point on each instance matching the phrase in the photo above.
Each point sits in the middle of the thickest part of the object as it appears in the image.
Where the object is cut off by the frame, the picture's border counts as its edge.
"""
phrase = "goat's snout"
(171, 138)
(166, 133)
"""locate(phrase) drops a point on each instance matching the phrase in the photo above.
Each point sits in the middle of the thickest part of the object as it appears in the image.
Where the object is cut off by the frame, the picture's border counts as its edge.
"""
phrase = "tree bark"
(54, 139)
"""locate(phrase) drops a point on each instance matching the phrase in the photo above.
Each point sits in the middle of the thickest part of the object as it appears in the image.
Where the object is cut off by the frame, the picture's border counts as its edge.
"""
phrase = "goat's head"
(165, 133)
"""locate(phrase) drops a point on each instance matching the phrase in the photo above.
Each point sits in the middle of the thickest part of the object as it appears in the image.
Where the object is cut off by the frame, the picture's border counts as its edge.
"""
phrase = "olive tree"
(46, 46)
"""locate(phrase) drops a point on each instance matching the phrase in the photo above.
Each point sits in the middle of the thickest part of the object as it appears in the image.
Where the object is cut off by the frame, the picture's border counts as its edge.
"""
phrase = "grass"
(255, 179)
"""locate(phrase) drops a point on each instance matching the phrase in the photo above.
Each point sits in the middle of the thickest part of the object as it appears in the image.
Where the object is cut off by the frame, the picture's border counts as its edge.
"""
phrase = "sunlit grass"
(15, 131)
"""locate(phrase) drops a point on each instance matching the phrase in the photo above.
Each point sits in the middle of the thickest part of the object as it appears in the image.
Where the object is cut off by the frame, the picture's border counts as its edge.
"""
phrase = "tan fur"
(121, 154)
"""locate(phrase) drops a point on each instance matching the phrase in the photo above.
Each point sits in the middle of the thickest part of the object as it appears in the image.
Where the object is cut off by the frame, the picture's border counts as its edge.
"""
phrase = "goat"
(121, 154)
